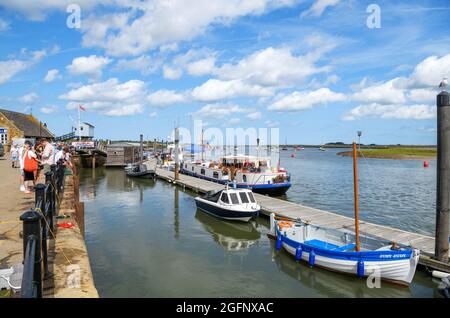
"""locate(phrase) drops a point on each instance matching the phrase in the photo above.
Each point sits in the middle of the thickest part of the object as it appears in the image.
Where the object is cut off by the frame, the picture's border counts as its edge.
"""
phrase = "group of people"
(32, 159)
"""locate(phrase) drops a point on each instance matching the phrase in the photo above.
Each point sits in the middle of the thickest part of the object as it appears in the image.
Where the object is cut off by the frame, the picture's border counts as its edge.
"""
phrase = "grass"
(401, 152)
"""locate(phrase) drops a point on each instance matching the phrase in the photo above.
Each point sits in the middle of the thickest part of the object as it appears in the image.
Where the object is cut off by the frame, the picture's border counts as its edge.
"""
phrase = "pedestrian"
(30, 167)
(14, 155)
(21, 151)
(48, 155)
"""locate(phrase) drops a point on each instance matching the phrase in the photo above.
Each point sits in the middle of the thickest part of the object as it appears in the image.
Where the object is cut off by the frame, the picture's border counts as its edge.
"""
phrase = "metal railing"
(38, 227)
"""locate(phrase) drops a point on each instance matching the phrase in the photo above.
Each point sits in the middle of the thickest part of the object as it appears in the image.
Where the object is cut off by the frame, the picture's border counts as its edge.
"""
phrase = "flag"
(82, 108)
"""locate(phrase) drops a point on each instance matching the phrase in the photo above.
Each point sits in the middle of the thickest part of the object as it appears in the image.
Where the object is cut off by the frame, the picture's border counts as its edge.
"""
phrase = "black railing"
(38, 227)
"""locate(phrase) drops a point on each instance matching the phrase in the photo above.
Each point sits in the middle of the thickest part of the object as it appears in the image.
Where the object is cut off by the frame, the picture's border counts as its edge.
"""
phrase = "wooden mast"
(355, 186)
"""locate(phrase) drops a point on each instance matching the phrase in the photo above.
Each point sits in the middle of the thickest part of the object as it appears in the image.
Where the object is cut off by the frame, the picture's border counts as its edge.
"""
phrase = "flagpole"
(79, 124)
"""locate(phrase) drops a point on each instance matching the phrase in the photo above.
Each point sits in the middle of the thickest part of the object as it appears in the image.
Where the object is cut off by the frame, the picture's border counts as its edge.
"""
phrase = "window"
(243, 196)
(234, 198)
(224, 198)
(192, 168)
(216, 175)
(244, 178)
(202, 171)
(252, 198)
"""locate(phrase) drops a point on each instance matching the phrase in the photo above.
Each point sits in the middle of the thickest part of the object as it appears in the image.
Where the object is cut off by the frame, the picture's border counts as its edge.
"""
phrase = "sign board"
(83, 144)
(3, 130)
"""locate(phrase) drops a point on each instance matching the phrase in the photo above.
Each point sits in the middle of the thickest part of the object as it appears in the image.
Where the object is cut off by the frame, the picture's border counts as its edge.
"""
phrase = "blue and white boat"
(229, 204)
(247, 172)
(335, 250)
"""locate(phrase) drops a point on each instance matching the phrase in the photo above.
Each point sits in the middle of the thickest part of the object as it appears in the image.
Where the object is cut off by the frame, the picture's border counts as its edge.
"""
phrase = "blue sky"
(312, 68)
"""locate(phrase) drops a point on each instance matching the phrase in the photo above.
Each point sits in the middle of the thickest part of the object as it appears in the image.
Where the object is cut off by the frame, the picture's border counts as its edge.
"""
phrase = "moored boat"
(229, 204)
(140, 171)
(336, 250)
(247, 172)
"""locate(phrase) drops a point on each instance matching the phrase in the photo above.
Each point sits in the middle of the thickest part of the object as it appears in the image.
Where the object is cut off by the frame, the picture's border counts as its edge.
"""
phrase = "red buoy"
(425, 164)
(293, 155)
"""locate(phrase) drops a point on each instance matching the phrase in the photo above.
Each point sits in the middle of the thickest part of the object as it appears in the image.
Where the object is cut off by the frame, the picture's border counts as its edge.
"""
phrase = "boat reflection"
(233, 236)
(333, 284)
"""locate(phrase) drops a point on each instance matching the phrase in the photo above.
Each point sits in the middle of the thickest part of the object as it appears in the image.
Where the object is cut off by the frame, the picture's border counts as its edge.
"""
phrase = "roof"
(88, 124)
(28, 124)
(120, 145)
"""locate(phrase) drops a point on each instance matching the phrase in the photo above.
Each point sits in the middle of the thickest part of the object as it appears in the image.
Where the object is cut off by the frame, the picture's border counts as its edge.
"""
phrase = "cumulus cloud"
(273, 67)
(29, 98)
(90, 66)
(218, 110)
(319, 6)
(4, 25)
(144, 25)
(430, 71)
(51, 75)
(298, 101)
(9, 68)
(110, 97)
(419, 112)
(165, 98)
(214, 90)
(390, 92)
(144, 64)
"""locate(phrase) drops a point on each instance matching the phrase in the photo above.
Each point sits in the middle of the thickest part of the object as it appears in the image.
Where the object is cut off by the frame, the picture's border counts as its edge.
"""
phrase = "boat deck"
(322, 218)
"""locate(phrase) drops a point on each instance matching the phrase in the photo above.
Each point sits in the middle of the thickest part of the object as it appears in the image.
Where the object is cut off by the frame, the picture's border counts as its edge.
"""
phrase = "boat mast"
(203, 149)
(141, 150)
(355, 186)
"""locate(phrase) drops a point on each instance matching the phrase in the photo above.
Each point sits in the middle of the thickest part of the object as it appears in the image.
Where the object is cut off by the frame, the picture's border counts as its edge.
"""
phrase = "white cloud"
(202, 67)
(9, 68)
(273, 67)
(390, 92)
(271, 124)
(4, 25)
(430, 71)
(29, 98)
(111, 97)
(215, 89)
(51, 75)
(298, 101)
(319, 6)
(219, 110)
(38, 10)
(153, 114)
(90, 66)
(144, 64)
(146, 25)
(234, 121)
(49, 109)
(254, 115)
(422, 95)
(171, 73)
(165, 98)
(419, 112)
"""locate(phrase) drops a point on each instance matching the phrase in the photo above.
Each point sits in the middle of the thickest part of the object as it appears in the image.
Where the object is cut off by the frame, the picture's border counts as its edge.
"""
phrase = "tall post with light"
(359, 139)
(443, 174)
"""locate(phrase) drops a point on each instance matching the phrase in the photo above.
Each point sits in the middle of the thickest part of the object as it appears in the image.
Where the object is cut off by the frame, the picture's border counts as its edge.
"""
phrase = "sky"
(319, 70)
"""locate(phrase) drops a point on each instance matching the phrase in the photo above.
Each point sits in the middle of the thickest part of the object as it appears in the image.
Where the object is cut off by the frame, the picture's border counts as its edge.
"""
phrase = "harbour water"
(146, 238)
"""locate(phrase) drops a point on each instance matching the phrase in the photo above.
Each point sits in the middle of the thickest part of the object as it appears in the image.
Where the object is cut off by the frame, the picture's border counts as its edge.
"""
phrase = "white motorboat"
(229, 204)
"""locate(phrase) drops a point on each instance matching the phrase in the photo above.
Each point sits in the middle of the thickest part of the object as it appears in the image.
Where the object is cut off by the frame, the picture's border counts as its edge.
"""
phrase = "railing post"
(50, 196)
(32, 230)
(40, 197)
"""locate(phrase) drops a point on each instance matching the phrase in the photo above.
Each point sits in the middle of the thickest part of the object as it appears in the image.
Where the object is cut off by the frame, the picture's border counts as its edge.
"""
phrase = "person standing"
(30, 167)
(21, 151)
(48, 155)
(14, 156)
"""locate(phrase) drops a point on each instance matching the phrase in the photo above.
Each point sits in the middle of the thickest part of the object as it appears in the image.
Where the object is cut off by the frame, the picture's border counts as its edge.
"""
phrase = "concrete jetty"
(68, 261)
(322, 218)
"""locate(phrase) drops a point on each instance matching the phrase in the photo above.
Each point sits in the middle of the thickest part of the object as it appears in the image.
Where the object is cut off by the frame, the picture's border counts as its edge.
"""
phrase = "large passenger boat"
(255, 173)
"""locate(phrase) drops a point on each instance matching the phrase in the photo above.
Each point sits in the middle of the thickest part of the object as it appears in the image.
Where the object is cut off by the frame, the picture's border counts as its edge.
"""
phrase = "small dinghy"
(344, 251)
(229, 204)
(336, 250)
(140, 171)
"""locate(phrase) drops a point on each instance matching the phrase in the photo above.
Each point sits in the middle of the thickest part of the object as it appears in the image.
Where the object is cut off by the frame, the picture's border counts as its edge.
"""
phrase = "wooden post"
(80, 216)
(93, 160)
(355, 188)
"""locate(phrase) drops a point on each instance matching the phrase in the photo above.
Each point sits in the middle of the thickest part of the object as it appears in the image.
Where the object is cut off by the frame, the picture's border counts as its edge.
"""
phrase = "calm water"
(147, 239)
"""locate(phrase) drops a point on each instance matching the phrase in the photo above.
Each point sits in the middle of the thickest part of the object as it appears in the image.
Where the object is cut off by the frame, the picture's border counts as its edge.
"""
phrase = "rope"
(53, 234)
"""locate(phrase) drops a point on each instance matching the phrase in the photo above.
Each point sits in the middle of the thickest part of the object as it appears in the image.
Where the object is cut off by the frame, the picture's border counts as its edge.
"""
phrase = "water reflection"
(233, 236)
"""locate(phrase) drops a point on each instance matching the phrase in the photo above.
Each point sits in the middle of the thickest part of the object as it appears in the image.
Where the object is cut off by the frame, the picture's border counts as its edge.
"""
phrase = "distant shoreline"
(394, 153)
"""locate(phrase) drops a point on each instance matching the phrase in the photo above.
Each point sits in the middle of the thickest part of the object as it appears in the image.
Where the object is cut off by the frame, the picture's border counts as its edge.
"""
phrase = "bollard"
(50, 197)
(443, 177)
(32, 231)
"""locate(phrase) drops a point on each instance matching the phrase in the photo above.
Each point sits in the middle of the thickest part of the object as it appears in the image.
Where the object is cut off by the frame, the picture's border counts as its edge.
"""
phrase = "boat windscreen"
(234, 198)
(224, 198)
(212, 196)
(243, 196)
(252, 198)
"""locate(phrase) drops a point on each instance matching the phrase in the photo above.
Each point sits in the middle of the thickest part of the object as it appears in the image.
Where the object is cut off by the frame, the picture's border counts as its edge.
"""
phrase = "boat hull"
(223, 213)
(272, 189)
(142, 175)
